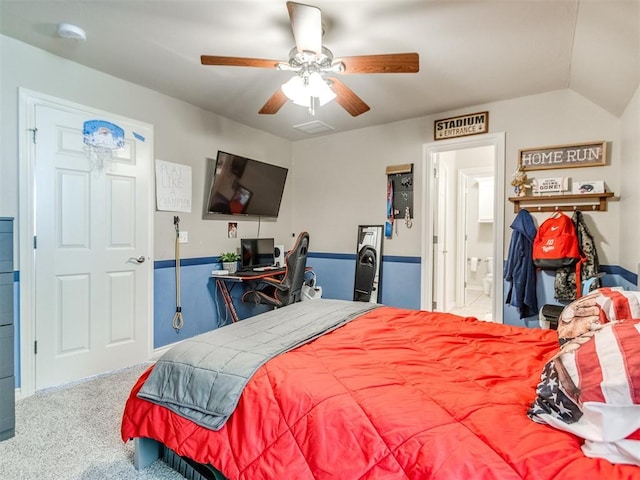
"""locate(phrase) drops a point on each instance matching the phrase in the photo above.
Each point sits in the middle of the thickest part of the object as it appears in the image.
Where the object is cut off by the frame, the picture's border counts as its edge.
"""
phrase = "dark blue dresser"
(7, 379)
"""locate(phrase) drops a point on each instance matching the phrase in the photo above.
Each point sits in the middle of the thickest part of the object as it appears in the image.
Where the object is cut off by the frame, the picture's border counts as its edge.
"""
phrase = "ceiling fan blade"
(275, 103)
(386, 63)
(306, 24)
(347, 99)
(238, 61)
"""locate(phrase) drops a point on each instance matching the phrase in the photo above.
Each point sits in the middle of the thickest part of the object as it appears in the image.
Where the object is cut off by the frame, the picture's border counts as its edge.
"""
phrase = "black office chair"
(287, 290)
(365, 273)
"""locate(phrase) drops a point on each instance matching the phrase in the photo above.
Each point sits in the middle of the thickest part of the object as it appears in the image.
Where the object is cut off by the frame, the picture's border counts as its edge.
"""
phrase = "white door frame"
(27, 102)
(430, 152)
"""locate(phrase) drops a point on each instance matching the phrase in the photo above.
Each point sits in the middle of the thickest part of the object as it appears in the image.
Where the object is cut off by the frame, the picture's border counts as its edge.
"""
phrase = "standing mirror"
(368, 263)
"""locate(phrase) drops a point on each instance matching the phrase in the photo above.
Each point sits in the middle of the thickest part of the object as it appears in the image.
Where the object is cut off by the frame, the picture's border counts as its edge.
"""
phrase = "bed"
(388, 394)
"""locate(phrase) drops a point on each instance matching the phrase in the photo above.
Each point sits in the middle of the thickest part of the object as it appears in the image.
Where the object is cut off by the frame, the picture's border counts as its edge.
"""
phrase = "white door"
(440, 238)
(92, 265)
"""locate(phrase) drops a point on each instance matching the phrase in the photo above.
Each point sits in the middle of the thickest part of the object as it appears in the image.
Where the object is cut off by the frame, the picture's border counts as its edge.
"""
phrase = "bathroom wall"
(473, 166)
(479, 230)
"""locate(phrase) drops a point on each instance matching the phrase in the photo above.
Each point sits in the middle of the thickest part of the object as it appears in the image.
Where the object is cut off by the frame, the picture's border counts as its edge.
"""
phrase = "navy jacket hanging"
(519, 270)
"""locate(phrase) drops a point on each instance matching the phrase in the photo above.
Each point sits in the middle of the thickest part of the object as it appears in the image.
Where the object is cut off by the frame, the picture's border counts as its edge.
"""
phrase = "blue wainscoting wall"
(203, 308)
(615, 277)
(197, 298)
(400, 286)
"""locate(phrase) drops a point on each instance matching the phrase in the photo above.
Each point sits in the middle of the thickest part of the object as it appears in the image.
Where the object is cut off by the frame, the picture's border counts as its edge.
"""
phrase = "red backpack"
(556, 245)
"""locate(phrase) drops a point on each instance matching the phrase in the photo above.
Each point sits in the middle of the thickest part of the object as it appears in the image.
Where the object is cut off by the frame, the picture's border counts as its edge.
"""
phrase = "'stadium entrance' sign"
(563, 156)
(461, 126)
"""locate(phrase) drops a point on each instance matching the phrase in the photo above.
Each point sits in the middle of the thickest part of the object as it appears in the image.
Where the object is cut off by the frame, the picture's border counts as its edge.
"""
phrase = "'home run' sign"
(563, 156)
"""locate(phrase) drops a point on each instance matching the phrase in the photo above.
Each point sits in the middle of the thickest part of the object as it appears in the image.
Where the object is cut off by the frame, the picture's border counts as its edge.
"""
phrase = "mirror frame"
(364, 232)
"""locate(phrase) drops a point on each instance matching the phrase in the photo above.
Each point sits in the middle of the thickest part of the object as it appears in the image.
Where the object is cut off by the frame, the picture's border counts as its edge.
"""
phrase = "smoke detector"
(71, 32)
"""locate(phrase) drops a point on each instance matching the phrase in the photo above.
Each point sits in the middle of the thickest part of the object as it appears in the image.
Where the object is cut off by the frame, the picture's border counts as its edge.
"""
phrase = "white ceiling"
(471, 52)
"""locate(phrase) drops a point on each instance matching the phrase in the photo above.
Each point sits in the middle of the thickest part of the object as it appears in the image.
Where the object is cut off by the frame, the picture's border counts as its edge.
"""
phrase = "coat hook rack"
(553, 203)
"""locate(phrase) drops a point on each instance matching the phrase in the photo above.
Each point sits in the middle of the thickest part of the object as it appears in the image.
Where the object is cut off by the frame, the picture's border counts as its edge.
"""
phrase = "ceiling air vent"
(314, 127)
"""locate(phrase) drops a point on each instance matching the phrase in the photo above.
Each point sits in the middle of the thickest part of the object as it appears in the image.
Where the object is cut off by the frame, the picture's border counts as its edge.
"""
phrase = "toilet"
(487, 281)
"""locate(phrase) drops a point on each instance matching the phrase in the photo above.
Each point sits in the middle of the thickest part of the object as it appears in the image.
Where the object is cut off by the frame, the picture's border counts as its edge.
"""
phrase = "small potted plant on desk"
(230, 261)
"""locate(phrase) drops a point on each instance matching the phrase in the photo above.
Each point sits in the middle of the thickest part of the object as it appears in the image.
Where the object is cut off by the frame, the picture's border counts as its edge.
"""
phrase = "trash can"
(549, 316)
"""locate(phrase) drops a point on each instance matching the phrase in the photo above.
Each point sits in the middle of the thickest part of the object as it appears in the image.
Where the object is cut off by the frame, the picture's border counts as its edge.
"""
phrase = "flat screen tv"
(241, 186)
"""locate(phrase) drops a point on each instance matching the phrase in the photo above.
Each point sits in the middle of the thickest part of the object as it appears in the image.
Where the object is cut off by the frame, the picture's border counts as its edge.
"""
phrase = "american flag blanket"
(591, 388)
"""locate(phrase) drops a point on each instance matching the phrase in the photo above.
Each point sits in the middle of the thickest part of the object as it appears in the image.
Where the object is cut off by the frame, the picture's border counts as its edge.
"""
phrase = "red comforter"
(394, 394)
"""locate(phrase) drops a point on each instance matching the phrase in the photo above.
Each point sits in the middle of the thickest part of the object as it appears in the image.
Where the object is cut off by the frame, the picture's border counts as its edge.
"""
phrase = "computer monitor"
(257, 252)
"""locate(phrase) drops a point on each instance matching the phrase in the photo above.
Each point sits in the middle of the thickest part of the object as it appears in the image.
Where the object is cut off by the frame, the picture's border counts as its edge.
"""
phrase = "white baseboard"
(158, 352)
(475, 288)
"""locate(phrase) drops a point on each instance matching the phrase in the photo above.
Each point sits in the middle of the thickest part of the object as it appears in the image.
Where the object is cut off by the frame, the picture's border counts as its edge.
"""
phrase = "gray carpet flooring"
(73, 432)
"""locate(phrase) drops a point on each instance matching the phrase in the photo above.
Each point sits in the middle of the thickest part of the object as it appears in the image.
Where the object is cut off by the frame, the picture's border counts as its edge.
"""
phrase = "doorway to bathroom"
(473, 288)
(463, 237)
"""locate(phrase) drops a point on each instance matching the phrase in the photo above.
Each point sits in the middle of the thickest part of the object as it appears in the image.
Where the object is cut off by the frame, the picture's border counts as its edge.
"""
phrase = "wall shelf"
(550, 203)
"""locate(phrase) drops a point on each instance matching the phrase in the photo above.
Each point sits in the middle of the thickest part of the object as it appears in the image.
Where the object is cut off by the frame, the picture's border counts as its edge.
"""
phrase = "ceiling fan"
(314, 65)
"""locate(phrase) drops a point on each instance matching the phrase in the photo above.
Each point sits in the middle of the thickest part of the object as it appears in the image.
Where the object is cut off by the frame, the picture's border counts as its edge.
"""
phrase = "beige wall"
(341, 177)
(629, 228)
(337, 182)
(183, 134)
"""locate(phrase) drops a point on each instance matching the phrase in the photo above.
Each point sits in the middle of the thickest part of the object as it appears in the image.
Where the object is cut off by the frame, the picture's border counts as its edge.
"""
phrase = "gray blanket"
(202, 378)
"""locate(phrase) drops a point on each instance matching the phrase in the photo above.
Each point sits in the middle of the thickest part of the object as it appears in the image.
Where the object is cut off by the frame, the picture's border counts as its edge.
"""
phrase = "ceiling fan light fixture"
(318, 88)
(295, 90)
(301, 92)
(313, 65)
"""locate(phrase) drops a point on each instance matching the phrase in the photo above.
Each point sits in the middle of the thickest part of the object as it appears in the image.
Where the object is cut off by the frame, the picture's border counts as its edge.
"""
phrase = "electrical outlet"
(183, 237)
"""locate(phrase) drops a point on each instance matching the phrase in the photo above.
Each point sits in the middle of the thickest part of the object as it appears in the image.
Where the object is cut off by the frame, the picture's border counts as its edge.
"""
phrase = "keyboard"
(256, 271)
(265, 269)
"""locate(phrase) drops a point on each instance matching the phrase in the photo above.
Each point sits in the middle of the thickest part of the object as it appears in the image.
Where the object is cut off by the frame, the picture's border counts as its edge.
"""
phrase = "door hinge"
(35, 242)
(435, 239)
(33, 131)
(434, 306)
(35, 347)
(435, 173)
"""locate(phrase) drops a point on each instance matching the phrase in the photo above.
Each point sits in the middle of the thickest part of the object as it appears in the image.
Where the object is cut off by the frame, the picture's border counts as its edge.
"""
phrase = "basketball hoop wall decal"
(101, 139)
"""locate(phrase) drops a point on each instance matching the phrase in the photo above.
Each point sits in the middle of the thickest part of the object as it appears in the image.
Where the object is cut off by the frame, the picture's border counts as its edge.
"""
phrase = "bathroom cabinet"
(485, 199)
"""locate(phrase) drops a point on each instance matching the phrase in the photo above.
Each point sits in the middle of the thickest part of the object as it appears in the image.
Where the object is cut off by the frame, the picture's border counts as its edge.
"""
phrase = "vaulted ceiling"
(471, 52)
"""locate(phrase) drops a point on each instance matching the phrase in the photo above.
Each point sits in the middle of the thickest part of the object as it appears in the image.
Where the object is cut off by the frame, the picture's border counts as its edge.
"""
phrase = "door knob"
(140, 259)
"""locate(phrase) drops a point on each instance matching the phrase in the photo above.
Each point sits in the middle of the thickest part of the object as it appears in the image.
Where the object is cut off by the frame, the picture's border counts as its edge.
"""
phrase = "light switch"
(183, 237)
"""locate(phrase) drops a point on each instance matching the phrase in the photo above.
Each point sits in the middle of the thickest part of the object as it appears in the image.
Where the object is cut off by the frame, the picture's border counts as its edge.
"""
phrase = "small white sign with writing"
(549, 185)
(173, 187)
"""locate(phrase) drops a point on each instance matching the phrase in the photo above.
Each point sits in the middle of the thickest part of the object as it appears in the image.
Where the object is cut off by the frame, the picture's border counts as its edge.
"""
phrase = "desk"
(222, 282)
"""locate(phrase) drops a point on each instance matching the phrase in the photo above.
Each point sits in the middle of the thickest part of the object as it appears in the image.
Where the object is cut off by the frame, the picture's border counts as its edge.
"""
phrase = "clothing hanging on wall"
(519, 270)
(565, 281)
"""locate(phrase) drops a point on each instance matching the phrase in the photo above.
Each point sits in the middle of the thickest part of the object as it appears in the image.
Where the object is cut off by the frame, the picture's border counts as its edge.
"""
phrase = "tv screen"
(242, 186)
